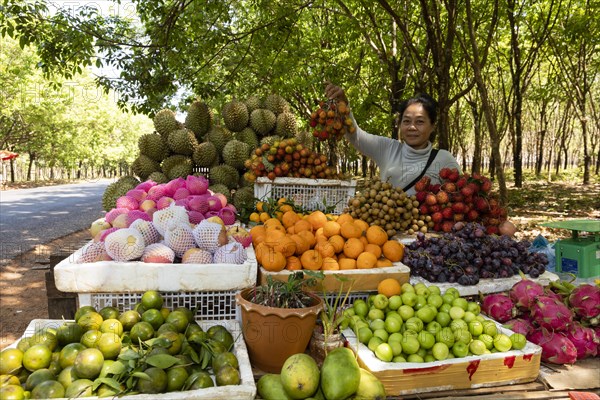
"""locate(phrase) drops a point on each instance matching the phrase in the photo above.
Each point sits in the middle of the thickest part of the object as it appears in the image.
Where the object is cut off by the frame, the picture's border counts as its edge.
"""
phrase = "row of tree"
(515, 79)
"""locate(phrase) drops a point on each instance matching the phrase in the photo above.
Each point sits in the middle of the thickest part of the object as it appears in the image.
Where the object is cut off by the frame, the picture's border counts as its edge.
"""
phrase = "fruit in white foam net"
(147, 229)
(158, 253)
(98, 225)
(231, 253)
(179, 238)
(124, 244)
(197, 256)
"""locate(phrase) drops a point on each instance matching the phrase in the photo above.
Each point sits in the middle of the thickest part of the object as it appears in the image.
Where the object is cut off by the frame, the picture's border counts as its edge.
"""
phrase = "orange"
(254, 217)
(302, 225)
(384, 262)
(393, 250)
(289, 218)
(389, 287)
(88, 363)
(37, 357)
(337, 242)
(373, 248)
(264, 216)
(362, 225)
(366, 260)
(272, 222)
(301, 244)
(285, 208)
(311, 259)
(330, 264)
(331, 228)
(353, 247)
(350, 230)
(273, 237)
(309, 237)
(376, 235)
(347, 263)
(344, 218)
(11, 361)
(260, 250)
(317, 219)
(273, 260)
(293, 264)
(286, 245)
(257, 230)
(325, 248)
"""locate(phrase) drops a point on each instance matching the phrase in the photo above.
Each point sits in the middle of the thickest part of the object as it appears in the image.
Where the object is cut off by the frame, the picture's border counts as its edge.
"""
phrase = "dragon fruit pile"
(180, 221)
(563, 319)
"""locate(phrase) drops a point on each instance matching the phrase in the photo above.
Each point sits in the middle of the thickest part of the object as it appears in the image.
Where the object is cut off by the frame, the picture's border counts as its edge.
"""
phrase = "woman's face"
(415, 126)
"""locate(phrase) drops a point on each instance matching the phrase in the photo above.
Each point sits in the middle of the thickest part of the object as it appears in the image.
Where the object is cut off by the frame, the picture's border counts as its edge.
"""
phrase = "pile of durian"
(210, 146)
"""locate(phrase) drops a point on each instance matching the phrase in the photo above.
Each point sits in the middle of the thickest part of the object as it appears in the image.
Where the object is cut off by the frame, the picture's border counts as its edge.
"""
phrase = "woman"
(402, 162)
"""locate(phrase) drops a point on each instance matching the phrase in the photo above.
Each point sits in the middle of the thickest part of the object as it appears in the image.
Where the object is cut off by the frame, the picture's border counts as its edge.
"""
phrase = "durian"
(219, 136)
(235, 115)
(262, 121)
(199, 118)
(153, 146)
(177, 166)
(182, 141)
(276, 104)
(205, 155)
(286, 126)
(243, 198)
(158, 177)
(223, 189)
(235, 153)
(144, 166)
(247, 135)
(117, 189)
(252, 103)
(224, 174)
(165, 122)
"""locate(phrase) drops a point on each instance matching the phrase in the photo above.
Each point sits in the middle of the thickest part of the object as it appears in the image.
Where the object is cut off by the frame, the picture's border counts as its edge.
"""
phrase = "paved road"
(32, 217)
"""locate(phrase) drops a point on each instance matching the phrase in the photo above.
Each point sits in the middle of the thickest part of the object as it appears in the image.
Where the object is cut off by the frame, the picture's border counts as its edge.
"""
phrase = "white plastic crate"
(217, 305)
(310, 194)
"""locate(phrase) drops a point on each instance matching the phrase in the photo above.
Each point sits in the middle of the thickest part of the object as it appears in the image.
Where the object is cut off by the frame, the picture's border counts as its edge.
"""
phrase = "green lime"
(152, 299)
(109, 312)
(157, 382)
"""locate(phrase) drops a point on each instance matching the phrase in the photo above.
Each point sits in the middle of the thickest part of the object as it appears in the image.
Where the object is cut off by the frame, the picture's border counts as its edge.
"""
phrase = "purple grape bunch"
(468, 254)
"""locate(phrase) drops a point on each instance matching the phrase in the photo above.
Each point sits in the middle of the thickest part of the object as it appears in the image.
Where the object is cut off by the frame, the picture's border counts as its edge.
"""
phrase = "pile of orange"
(315, 242)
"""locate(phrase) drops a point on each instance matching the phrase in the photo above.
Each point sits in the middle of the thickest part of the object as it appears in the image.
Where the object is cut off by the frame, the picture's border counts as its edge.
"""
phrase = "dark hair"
(429, 104)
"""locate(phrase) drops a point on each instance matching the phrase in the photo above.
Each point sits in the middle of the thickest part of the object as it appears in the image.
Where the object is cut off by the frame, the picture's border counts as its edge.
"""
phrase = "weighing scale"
(580, 254)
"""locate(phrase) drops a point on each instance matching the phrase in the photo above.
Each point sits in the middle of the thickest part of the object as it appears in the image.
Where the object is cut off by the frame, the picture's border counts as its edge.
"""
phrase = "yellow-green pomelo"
(340, 374)
(300, 376)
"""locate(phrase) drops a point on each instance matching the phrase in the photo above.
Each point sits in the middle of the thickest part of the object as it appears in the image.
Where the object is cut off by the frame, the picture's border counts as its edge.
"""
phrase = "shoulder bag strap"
(429, 161)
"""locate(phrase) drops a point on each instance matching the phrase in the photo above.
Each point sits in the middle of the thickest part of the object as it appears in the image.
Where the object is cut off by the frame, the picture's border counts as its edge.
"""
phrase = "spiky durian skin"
(165, 122)
(182, 141)
(205, 155)
(177, 166)
(248, 136)
(276, 104)
(252, 103)
(286, 126)
(235, 115)
(244, 198)
(224, 174)
(116, 190)
(143, 166)
(221, 188)
(154, 146)
(235, 153)
(199, 118)
(219, 136)
(270, 139)
(263, 121)
(158, 177)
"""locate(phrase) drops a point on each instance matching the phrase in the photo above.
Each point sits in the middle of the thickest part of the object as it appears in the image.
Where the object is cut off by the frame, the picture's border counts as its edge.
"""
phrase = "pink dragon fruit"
(498, 306)
(584, 339)
(550, 293)
(196, 184)
(556, 348)
(524, 292)
(585, 301)
(519, 325)
(551, 314)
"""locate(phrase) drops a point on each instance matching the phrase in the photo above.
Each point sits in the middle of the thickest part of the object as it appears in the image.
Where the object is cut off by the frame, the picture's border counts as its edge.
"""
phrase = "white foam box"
(495, 369)
(310, 194)
(246, 390)
(137, 276)
(365, 280)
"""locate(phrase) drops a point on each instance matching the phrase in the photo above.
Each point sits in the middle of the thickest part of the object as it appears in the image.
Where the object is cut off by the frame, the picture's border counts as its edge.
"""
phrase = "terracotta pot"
(319, 346)
(273, 334)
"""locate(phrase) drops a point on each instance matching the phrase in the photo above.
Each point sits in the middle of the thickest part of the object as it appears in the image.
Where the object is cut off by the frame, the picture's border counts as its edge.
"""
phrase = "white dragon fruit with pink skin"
(585, 302)
(198, 203)
(209, 235)
(197, 256)
(158, 253)
(128, 202)
(196, 184)
(551, 314)
(227, 215)
(556, 348)
(164, 202)
(498, 306)
(231, 253)
(179, 238)
(162, 218)
(524, 293)
(138, 194)
(156, 192)
(92, 252)
(584, 339)
(147, 229)
(114, 213)
(125, 244)
(181, 193)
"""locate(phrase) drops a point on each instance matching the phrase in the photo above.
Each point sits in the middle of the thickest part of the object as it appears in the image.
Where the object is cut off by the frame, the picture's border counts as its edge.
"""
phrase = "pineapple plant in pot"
(278, 319)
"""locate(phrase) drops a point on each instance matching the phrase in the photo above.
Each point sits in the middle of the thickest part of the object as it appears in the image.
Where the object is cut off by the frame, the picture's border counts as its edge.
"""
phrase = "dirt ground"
(22, 282)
